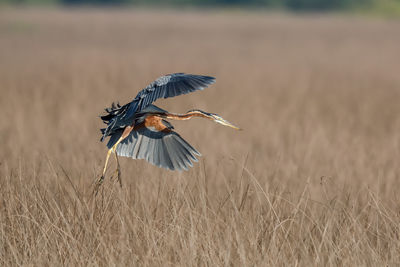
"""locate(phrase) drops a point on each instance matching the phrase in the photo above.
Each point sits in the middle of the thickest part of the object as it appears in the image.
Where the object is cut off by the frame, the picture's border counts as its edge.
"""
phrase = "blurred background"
(316, 92)
(382, 7)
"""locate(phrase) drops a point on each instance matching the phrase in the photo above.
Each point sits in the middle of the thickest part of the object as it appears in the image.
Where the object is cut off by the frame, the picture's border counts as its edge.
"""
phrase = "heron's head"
(214, 117)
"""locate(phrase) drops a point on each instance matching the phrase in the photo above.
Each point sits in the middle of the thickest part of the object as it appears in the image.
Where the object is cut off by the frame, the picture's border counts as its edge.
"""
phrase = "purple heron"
(140, 130)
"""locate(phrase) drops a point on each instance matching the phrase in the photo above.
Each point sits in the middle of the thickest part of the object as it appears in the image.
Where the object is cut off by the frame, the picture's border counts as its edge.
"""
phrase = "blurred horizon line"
(387, 8)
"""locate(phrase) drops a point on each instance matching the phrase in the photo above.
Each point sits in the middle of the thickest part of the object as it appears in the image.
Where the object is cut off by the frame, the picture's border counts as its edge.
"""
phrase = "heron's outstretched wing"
(165, 149)
(168, 86)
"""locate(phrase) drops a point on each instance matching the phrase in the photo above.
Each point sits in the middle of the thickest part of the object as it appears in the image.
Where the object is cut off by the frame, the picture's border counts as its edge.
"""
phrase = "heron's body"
(140, 130)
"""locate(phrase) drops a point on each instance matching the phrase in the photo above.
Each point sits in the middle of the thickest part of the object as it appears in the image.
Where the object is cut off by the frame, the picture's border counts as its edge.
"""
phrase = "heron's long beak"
(222, 121)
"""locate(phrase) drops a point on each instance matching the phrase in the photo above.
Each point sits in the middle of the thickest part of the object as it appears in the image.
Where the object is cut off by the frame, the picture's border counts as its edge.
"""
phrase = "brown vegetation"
(312, 180)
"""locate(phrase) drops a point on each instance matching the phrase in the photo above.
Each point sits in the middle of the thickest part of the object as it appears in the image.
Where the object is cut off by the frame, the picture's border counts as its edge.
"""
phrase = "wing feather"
(166, 161)
(180, 153)
(174, 156)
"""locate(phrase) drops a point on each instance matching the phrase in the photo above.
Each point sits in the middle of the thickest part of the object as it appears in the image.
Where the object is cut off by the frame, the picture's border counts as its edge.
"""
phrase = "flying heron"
(140, 130)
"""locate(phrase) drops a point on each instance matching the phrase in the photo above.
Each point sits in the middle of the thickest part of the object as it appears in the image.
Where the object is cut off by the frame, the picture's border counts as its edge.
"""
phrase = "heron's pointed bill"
(222, 121)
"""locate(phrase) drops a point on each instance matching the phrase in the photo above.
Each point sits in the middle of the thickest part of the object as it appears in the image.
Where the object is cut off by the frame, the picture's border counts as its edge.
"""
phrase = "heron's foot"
(118, 174)
(98, 184)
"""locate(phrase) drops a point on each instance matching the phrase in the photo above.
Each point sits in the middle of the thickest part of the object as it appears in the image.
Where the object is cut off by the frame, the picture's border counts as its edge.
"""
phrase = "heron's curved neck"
(187, 116)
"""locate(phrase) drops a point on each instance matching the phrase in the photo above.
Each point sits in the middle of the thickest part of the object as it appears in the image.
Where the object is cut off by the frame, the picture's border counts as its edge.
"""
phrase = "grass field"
(312, 180)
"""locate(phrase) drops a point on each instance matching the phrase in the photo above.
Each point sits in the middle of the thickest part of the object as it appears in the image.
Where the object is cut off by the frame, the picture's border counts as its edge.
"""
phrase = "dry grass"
(312, 180)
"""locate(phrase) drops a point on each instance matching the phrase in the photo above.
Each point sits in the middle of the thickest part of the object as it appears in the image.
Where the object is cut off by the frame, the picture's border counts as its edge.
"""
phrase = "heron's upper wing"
(168, 86)
(165, 149)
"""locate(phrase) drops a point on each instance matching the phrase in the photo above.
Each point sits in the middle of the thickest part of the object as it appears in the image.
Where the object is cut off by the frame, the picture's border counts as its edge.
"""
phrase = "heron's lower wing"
(163, 149)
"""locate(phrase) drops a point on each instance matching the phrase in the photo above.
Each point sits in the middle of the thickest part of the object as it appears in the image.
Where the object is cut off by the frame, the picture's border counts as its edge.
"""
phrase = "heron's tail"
(110, 118)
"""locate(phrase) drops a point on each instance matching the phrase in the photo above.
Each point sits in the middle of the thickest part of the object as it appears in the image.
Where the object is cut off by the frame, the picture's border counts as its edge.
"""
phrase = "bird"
(141, 130)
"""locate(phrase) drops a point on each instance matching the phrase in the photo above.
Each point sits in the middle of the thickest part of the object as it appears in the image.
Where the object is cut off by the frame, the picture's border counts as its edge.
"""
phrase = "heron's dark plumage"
(165, 86)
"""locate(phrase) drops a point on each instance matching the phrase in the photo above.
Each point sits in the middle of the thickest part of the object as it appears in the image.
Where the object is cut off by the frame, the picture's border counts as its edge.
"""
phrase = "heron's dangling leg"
(105, 165)
(125, 133)
(100, 181)
(118, 170)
